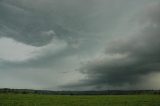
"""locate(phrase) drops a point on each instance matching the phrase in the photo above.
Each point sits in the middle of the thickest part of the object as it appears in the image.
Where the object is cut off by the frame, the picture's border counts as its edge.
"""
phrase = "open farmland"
(67, 100)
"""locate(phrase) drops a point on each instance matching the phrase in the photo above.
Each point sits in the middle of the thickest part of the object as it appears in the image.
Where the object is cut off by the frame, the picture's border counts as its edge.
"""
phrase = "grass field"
(61, 100)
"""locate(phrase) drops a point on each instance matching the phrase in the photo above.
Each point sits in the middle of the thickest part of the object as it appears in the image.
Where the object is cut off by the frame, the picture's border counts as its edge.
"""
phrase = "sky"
(80, 44)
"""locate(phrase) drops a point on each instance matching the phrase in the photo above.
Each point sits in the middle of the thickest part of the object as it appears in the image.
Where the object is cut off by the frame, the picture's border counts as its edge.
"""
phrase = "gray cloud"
(23, 25)
(27, 21)
(131, 56)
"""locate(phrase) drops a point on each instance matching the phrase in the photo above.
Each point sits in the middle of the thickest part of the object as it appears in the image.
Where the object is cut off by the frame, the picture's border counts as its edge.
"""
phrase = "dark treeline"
(105, 92)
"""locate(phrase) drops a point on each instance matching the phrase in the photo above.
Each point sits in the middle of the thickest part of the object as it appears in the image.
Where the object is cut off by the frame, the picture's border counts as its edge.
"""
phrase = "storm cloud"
(37, 22)
(128, 58)
(79, 44)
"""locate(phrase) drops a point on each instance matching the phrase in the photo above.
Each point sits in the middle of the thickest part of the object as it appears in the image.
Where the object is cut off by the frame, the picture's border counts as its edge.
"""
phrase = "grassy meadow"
(66, 100)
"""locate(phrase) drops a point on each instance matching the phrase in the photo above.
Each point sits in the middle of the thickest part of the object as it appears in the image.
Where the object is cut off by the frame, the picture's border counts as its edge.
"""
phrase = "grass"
(63, 100)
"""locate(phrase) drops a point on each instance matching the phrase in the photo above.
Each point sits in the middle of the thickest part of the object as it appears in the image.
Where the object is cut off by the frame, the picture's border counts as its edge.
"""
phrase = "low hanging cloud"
(127, 58)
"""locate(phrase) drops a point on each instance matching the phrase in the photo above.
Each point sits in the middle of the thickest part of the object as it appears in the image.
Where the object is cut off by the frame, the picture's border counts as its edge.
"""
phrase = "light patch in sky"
(15, 51)
(11, 50)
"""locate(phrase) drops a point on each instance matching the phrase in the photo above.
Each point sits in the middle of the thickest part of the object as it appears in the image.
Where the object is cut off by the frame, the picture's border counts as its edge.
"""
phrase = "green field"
(61, 100)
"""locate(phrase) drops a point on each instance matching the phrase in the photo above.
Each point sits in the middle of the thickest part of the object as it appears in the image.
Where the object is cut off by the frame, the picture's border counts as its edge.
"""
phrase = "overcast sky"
(80, 44)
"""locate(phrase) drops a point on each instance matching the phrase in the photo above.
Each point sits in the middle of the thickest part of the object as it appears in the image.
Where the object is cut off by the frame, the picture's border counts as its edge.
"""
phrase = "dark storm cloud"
(30, 21)
(36, 23)
(131, 56)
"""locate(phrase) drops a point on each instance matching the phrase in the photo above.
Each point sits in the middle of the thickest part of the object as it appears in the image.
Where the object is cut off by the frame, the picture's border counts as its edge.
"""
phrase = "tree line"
(104, 92)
